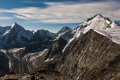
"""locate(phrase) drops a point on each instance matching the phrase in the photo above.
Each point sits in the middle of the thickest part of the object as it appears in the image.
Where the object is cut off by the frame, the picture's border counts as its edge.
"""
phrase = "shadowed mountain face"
(56, 49)
(16, 37)
(4, 64)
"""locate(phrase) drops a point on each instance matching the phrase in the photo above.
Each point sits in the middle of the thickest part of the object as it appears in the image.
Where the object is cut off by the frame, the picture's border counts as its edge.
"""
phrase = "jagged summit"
(98, 22)
(97, 15)
(17, 26)
(65, 28)
(42, 32)
(100, 15)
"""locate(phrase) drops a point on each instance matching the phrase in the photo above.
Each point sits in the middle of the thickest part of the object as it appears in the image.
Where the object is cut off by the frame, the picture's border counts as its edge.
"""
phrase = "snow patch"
(68, 44)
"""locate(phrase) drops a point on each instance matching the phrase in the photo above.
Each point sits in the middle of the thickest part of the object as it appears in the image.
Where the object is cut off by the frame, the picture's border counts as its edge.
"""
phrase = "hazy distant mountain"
(64, 29)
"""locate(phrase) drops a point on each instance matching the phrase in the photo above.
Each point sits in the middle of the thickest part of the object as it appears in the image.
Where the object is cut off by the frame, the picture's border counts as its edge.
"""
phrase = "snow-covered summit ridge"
(98, 23)
(103, 26)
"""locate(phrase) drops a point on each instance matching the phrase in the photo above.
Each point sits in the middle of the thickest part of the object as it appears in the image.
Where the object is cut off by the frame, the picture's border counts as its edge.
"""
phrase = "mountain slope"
(92, 57)
(4, 66)
(21, 61)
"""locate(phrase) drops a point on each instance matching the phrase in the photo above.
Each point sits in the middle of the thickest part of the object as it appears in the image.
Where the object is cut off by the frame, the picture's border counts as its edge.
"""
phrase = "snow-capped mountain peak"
(97, 22)
(17, 26)
(65, 28)
(100, 24)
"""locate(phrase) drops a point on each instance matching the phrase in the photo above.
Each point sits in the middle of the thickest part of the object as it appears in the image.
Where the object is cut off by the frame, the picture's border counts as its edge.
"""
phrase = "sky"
(52, 15)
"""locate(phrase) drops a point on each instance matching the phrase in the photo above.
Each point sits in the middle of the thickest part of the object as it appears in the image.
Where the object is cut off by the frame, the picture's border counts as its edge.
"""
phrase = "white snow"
(10, 64)
(108, 22)
(68, 44)
(97, 22)
(113, 34)
(6, 32)
(78, 78)
(13, 25)
(114, 25)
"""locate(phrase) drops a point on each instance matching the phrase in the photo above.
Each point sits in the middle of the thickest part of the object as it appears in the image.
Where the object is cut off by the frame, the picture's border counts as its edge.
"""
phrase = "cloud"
(59, 12)
(5, 18)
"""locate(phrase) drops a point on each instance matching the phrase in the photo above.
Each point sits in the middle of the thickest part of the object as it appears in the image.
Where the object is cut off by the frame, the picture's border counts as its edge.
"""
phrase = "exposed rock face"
(56, 49)
(35, 61)
(21, 61)
(4, 66)
(92, 57)
(53, 55)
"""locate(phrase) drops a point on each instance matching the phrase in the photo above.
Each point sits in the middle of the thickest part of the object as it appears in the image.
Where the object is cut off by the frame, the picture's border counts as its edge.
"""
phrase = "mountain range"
(89, 51)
